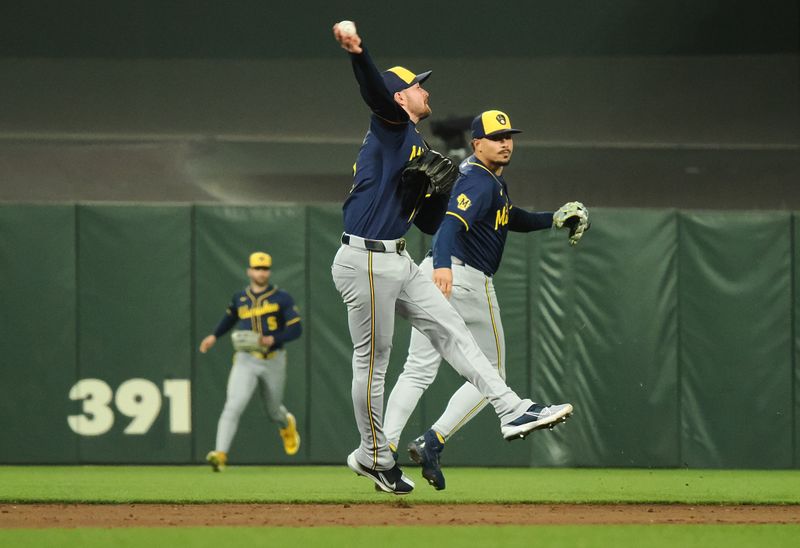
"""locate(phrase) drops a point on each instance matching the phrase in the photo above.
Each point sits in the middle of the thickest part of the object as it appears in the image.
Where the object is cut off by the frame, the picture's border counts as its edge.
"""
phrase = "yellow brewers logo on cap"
(260, 259)
(495, 120)
(490, 123)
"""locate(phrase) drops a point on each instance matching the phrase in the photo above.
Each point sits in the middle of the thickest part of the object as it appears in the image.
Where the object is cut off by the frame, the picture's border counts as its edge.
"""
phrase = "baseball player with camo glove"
(467, 250)
(263, 318)
(392, 189)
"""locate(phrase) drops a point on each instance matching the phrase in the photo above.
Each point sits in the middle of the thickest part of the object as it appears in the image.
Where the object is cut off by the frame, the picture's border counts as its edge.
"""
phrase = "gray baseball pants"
(474, 299)
(249, 371)
(375, 286)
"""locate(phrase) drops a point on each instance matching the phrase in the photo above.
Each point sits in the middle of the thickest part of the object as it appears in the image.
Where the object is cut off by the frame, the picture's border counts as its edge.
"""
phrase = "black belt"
(376, 245)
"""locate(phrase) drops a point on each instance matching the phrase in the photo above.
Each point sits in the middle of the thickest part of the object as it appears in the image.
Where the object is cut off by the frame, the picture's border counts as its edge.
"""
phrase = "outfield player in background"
(377, 278)
(263, 318)
(467, 250)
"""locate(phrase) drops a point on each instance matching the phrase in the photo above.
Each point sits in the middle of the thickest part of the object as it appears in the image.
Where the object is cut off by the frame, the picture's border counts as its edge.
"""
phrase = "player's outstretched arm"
(520, 220)
(370, 81)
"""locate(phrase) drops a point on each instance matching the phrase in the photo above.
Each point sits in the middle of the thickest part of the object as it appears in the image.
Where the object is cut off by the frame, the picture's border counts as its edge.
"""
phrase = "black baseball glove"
(439, 170)
(430, 172)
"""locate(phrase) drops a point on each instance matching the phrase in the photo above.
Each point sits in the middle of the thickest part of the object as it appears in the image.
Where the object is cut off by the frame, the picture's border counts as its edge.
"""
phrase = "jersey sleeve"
(527, 221)
(228, 320)
(291, 315)
(374, 92)
(290, 328)
(470, 200)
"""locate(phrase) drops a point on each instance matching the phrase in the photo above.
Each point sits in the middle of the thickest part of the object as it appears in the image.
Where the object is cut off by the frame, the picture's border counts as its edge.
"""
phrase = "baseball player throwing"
(263, 318)
(466, 254)
(377, 278)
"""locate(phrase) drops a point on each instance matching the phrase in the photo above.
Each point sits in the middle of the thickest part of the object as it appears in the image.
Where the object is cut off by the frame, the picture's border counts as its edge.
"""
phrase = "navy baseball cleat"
(393, 449)
(425, 451)
(389, 481)
(537, 416)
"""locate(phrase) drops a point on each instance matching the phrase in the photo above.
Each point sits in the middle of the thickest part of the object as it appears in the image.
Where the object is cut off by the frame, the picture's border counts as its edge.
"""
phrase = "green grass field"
(336, 484)
(332, 484)
(550, 536)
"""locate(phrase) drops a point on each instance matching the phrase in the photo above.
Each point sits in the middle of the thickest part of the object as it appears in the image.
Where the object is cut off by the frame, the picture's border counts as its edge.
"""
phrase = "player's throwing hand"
(345, 33)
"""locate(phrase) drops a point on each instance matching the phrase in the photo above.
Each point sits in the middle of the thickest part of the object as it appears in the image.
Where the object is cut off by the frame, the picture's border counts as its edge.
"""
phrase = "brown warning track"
(399, 513)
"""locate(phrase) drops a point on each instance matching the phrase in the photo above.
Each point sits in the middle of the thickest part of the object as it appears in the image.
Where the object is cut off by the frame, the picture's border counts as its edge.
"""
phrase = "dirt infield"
(394, 513)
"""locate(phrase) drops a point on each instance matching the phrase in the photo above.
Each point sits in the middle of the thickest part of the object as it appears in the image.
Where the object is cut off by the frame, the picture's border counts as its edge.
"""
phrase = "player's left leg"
(474, 299)
(418, 374)
(272, 382)
(428, 310)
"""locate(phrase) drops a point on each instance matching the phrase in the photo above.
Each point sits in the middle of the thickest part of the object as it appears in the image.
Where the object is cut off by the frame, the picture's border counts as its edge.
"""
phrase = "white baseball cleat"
(390, 481)
(537, 416)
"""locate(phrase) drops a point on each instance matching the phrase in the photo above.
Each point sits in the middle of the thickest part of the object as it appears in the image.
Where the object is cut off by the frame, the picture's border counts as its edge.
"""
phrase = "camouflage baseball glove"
(573, 216)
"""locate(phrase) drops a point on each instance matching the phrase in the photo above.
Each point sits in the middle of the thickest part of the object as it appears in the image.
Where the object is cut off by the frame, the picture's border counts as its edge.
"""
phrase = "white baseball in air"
(347, 27)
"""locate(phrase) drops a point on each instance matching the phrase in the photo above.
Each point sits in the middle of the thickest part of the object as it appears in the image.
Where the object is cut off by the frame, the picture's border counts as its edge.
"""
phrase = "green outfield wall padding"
(134, 326)
(673, 333)
(796, 337)
(331, 427)
(224, 239)
(37, 348)
(735, 318)
(604, 333)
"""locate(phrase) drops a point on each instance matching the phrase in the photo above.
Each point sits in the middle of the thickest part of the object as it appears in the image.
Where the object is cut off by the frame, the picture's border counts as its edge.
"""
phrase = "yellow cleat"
(217, 460)
(291, 439)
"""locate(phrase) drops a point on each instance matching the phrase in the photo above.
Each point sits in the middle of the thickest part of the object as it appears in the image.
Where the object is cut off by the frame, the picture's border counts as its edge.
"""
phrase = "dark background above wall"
(628, 104)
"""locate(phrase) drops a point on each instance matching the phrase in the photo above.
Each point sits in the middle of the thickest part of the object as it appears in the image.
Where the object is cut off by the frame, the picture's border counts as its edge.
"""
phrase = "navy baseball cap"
(491, 123)
(399, 78)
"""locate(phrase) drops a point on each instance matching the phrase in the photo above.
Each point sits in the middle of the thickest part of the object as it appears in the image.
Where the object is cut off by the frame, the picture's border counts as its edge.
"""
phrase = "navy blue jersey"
(271, 312)
(373, 208)
(479, 216)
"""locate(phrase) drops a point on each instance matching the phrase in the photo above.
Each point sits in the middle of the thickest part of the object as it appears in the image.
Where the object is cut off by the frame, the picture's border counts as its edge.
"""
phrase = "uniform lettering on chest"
(501, 218)
(416, 151)
(246, 312)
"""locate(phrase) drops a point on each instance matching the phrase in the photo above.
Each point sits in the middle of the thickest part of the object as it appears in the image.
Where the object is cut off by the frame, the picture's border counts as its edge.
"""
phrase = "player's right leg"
(474, 299)
(242, 382)
(369, 283)
(476, 302)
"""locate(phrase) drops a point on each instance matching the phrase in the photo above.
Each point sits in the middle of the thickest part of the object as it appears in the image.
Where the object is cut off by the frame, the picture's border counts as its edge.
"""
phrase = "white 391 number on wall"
(139, 399)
